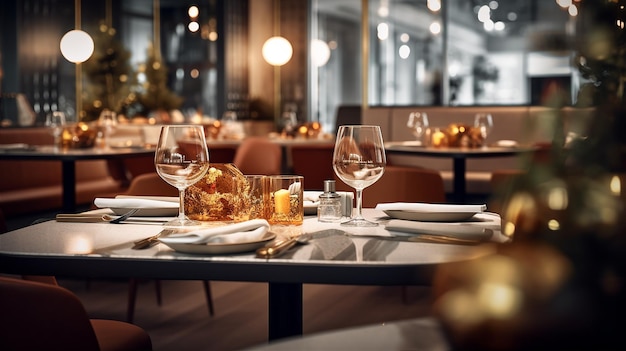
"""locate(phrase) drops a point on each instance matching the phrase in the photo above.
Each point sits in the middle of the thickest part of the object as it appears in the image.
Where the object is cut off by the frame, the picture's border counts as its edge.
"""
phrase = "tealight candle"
(281, 201)
(438, 138)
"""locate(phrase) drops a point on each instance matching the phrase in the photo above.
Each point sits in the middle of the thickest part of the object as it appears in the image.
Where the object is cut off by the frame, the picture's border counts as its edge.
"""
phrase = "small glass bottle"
(329, 207)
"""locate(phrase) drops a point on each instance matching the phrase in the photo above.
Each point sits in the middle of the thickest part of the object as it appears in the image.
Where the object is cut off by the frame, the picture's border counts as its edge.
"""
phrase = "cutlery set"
(276, 248)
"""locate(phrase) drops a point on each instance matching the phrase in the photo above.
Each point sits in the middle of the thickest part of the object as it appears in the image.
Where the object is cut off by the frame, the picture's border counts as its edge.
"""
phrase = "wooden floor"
(182, 322)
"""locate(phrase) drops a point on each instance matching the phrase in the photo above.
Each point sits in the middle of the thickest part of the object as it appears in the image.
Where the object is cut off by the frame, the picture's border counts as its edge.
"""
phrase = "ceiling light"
(277, 51)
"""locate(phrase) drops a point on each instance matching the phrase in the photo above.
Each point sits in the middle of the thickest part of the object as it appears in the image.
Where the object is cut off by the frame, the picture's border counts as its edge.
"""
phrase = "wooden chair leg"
(405, 294)
(209, 297)
(157, 286)
(132, 296)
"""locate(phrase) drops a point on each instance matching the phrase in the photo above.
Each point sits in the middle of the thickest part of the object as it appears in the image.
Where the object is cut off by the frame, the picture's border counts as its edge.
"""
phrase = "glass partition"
(413, 52)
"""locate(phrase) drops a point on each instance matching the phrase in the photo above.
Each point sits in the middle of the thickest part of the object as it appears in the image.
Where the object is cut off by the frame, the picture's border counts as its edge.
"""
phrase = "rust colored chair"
(40, 316)
(402, 184)
(258, 155)
(314, 162)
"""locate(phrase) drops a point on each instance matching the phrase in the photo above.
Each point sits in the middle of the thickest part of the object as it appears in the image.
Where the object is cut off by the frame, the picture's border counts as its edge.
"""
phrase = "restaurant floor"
(182, 322)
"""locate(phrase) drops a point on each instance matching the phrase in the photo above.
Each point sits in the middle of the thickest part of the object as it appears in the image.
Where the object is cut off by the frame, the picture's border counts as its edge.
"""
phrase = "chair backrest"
(38, 316)
(314, 162)
(403, 184)
(348, 115)
(258, 155)
(150, 184)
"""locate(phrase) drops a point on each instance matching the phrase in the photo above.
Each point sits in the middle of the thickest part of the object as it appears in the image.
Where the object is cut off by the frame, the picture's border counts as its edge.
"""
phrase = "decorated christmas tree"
(155, 96)
(109, 75)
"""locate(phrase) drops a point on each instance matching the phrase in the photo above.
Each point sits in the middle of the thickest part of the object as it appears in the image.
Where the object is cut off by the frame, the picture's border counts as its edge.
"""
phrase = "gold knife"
(80, 217)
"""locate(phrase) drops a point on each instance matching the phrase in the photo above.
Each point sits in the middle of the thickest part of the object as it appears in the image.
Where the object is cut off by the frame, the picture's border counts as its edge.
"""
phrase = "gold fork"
(151, 240)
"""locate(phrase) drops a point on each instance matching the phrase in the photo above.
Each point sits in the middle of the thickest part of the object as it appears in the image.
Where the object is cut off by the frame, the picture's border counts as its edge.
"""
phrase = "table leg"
(459, 179)
(68, 173)
(285, 310)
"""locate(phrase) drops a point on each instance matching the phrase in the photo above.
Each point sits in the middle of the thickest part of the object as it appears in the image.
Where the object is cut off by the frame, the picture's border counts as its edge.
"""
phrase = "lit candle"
(281, 201)
(438, 138)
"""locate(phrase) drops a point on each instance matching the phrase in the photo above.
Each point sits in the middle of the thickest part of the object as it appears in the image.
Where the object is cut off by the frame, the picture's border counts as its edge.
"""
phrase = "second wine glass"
(484, 122)
(56, 121)
(181, 159)
(359, 160)
(418, 124)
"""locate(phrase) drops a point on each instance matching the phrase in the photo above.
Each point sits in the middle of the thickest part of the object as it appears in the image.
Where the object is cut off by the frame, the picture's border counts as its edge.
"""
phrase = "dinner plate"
(222, 248)
(430, 216)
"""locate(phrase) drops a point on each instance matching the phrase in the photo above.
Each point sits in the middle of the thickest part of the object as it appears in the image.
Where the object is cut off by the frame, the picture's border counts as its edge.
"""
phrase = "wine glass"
(418, 123)
(107, 122)
(56, 122)
(359, 161)
(484, 122)
(181, 159)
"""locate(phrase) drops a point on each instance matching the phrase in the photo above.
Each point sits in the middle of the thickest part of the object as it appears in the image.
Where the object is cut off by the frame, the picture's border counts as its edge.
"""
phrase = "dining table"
(68, 158)
(334, 254)
(459, 156)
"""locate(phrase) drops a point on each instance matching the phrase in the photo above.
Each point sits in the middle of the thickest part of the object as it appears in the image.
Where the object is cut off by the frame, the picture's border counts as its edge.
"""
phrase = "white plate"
(220, 248)
(149, 212)
(430, 216)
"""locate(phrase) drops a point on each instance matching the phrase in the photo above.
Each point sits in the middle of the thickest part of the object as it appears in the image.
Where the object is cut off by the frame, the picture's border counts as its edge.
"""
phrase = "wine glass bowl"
(181, 159)
(418, 124)
(56, 121)
(359, 161)
(484, 122)
(107, 121)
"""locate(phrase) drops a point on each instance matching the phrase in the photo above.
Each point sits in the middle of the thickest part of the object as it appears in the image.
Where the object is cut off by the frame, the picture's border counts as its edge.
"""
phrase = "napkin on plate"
(425, 207)
(485, 226)
(401, 227)
(247, 231)
(133, 202)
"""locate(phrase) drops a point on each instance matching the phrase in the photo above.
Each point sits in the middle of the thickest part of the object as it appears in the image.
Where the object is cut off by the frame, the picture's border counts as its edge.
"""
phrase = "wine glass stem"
(359, 204)
(181, 205)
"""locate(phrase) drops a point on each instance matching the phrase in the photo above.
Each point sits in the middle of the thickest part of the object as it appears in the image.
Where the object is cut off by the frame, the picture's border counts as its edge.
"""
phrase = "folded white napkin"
(133, 202)
(247, 231)
(14, 146)
(485, 226)
(424, 207)
(506, 143)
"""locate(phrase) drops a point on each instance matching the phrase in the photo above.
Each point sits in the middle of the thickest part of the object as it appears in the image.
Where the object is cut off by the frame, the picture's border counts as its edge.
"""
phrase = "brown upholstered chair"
(402, 184)
(314, 162)
(41, 316)
(258, 155)
(151, 184)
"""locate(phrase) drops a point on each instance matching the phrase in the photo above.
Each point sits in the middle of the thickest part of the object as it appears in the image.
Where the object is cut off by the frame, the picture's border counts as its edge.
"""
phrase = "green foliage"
(109, 75)
(155, 95)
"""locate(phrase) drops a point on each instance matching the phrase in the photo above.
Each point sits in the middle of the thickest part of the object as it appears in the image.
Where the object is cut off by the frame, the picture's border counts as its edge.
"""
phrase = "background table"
(459, 157)
(68, 158)
(102, 250)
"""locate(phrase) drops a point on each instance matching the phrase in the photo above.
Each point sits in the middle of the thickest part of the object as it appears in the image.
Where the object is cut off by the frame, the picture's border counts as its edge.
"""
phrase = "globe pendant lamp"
(277, 51)
(76, 45)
